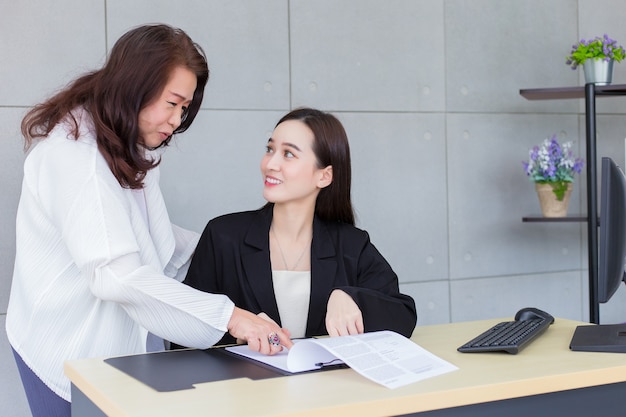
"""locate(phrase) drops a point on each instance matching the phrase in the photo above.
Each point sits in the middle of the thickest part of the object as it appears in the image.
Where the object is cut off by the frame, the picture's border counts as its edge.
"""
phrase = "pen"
(321, 364)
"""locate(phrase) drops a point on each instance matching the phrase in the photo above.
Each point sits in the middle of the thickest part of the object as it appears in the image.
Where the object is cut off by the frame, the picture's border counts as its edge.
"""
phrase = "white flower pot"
(598, 71)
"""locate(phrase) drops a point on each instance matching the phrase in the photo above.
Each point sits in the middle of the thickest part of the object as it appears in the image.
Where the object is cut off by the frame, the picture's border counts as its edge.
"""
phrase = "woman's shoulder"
(60, 152)
(344, 230)
(62, 139)
(235, 220)
(234, 217)
(236, 227)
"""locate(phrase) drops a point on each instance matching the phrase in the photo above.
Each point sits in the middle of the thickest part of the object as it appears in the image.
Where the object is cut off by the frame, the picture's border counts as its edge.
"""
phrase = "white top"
(293, 290)
(91, 276)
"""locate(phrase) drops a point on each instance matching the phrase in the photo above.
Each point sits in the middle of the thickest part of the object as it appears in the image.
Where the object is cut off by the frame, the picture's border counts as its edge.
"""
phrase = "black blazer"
(233, 258)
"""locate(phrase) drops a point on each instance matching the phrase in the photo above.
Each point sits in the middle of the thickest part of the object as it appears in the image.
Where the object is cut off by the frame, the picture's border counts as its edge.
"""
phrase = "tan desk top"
(546, 365)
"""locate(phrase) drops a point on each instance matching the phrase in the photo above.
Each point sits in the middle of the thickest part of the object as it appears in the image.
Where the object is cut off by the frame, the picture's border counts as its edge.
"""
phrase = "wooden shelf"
(561, 93)
(541, 219)
(589, 93)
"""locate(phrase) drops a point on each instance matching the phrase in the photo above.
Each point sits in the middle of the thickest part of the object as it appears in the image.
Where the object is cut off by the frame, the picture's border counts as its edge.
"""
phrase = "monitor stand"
(600, 338)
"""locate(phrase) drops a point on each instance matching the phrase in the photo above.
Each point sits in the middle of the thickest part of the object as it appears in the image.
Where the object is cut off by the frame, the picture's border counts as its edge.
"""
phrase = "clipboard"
(180, 369)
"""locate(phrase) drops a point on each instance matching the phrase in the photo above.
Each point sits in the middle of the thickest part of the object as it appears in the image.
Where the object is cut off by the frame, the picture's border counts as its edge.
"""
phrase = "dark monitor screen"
(611, 257)
(612, 237)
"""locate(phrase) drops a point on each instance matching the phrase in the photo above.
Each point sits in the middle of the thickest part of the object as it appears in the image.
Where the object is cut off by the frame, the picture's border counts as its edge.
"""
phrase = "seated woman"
(299, 260)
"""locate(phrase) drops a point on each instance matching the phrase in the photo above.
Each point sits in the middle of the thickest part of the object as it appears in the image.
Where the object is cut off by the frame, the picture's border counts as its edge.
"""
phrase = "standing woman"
(300, 261)
(97, 257)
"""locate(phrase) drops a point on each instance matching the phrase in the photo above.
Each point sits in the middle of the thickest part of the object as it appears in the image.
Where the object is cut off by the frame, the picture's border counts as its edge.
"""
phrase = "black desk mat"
(180, 369)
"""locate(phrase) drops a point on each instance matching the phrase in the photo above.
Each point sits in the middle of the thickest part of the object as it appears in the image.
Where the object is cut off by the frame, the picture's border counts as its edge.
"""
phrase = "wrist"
(234, 318)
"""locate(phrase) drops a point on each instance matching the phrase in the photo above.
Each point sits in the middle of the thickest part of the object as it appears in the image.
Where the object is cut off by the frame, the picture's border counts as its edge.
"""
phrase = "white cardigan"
(91, 276)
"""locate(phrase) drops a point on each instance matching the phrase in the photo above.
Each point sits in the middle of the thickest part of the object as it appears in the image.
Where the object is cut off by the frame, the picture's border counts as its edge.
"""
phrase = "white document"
(385, 357)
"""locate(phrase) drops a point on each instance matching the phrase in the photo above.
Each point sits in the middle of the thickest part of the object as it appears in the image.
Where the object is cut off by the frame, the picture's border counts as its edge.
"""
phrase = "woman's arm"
(375, 290)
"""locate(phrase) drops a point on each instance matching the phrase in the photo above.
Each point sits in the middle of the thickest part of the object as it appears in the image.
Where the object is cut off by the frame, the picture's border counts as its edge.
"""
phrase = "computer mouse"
(532, 313)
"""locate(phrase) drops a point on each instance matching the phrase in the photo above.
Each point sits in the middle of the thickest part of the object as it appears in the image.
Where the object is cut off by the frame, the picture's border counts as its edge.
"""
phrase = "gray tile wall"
(429, 93)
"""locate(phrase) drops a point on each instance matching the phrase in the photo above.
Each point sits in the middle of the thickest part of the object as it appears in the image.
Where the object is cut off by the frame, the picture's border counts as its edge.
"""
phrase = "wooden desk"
(485, 384)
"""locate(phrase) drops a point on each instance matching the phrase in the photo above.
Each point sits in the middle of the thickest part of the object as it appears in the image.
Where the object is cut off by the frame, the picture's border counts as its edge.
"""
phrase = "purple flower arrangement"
(603, 48)
(554, 164)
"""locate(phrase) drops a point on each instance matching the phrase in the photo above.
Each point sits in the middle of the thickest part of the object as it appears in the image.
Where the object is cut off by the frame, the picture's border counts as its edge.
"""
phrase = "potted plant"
(596, 56)
(552, 167)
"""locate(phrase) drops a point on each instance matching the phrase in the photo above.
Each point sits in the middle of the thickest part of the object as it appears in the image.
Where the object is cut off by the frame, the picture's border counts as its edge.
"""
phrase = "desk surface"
(546, 365)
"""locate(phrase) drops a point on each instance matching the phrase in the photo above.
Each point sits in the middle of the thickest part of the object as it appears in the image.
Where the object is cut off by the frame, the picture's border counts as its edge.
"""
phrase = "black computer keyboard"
(511, 336)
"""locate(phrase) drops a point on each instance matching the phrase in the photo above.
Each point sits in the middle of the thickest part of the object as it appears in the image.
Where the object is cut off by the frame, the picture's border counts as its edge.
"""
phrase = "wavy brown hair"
(135, 73)
(331, 147)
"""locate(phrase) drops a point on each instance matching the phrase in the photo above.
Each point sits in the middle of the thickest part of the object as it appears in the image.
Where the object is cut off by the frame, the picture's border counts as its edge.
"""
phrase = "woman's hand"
(257, 332)
(268, 318)
(343, 316)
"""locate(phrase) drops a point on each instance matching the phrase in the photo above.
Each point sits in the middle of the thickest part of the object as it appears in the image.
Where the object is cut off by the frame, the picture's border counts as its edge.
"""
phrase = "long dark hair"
(136, 71)
(331, 147)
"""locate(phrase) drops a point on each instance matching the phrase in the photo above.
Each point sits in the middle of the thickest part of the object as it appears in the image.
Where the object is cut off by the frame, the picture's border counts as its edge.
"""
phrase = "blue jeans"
(42, 400)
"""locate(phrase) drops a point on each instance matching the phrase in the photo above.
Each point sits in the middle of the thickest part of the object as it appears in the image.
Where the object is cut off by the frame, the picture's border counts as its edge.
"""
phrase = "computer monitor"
(612, 237)
(611, 259)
